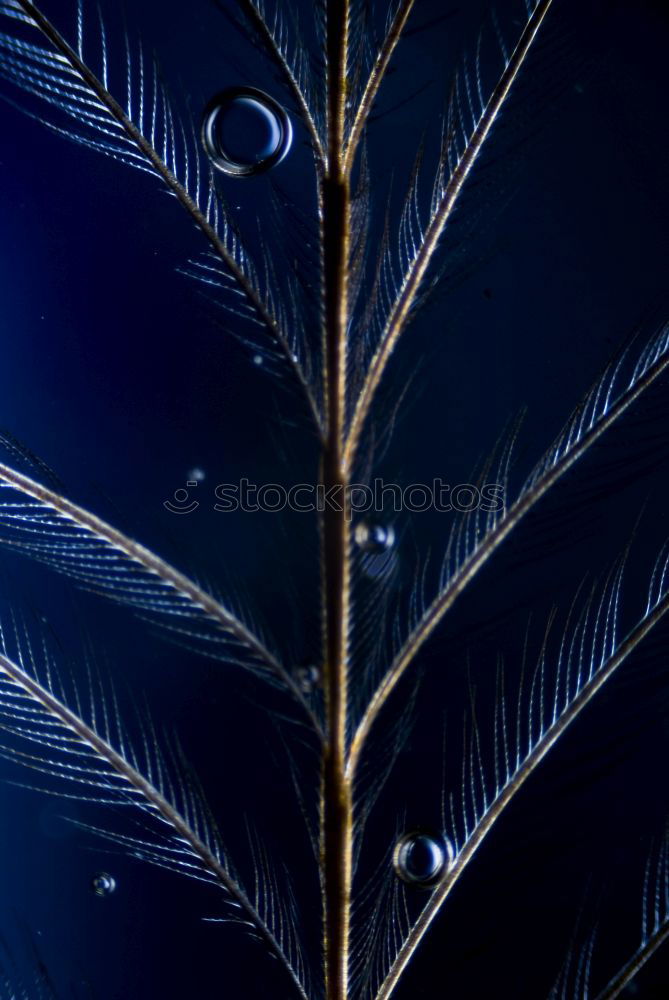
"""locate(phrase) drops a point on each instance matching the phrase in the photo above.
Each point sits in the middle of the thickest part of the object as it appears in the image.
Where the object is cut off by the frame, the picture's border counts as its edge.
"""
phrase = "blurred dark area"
(122, 379)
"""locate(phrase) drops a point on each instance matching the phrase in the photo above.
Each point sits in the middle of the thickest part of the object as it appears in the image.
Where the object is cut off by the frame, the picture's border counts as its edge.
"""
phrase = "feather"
(145, 133)
(45, 525)
(322, 290)
(95, 755)
(589, 654)
(419, 239)
(654, 925)
(576, 977)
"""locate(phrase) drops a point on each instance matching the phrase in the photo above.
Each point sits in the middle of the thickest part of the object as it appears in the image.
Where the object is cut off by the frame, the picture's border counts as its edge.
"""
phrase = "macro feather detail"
(95, 758)
(330, 324)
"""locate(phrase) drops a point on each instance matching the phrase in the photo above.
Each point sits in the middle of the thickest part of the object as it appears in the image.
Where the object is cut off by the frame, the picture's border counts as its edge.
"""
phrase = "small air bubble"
(103, 884)
(257, 359)
(308, 678)
(422, 858)
(376, 538)
(245, 132)
(196, 475)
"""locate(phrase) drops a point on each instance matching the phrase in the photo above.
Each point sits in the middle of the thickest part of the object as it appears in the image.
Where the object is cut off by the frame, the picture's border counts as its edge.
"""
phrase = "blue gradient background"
(114, 373)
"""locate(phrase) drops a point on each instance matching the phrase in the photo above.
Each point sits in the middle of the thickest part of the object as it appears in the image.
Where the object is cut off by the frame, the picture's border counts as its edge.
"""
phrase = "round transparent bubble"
(245, 132)
(103, 884)
(308, 678)
(376, 538)
(422, 858)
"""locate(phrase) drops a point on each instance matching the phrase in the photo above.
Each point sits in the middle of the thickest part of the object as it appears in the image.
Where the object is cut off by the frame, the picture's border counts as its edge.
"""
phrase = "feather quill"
(339, 354)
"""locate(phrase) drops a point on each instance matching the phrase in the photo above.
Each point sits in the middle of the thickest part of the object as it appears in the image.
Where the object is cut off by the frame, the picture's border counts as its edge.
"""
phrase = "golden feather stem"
(412, 281)
(376, 78)
(336, 810)
(630, 970)
(153, 798)
(516, 513)
(509, 792)
(181, 194)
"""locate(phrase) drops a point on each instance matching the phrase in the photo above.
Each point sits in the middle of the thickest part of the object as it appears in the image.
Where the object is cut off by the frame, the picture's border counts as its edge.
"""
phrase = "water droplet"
(374, 538)
(245, 132)
(103, 884)
(308, 678)
(421, 858)
(196, 475)
(257, 359)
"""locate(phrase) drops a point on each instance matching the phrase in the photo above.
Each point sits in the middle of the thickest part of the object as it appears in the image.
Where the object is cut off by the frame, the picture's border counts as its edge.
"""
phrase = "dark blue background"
(118, 376)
